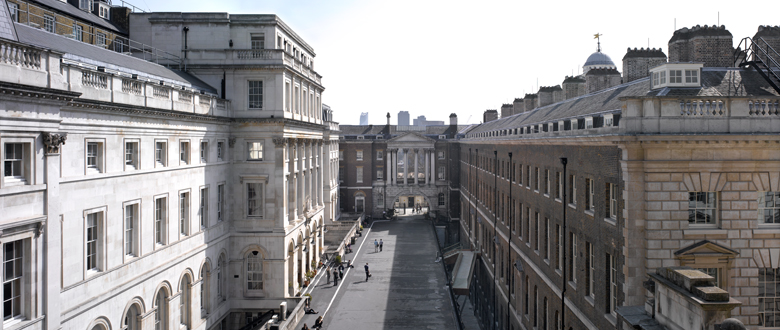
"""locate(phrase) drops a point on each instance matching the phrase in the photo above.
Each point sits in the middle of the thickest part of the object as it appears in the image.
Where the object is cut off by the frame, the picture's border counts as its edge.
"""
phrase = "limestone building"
(136, 196)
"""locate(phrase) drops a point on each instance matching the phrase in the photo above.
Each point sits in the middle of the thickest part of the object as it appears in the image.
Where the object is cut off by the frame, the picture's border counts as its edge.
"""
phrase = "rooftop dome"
(598, 60)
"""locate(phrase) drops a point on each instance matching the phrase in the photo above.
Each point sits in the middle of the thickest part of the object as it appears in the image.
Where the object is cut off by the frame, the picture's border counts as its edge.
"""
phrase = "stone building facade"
(135, 196)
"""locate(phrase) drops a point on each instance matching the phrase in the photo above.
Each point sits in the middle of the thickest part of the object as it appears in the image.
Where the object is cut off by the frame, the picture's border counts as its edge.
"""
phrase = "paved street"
(407, 289)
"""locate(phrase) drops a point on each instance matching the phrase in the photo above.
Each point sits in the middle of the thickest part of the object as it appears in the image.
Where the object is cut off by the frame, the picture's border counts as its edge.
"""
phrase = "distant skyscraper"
(364, 118)
(403, 118)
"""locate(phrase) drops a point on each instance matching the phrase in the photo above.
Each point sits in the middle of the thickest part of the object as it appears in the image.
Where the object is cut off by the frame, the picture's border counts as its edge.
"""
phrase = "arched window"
(254, 271)
(220, 287)
(99, 327)
(160, 313)
(131, 321)
(184, 301)
(205, 288)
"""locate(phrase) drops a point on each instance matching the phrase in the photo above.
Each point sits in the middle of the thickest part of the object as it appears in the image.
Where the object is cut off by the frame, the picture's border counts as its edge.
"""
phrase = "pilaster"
(53, 233)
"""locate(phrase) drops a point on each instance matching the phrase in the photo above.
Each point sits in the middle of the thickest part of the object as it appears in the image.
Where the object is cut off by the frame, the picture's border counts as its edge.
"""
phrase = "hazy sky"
(436, 57)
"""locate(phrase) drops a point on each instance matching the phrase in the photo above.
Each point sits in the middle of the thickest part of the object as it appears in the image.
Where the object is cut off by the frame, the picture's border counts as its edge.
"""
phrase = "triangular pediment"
(705, 248)
(411, 137)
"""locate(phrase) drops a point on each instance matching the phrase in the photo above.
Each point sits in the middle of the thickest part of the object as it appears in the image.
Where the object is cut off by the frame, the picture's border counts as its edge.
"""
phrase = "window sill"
(610, 221)
(611, 319)
(558, 200)
(572, 206)
(558, 271)
(573, 285)
(547, 195)
(590, 301)
(589, 213)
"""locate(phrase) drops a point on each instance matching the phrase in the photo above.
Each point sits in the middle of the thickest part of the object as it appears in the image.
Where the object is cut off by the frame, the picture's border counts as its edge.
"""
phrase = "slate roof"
(383, 130)
(7, 30)
(94, 55)
(80, 14)
(715, 82)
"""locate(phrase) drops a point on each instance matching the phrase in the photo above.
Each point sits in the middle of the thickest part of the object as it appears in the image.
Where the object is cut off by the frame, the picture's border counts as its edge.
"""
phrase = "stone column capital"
(231, 141)
(280, 142)
(53, 142)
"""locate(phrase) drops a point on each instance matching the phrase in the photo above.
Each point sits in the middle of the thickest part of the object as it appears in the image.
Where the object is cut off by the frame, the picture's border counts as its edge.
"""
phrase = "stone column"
(52, 240)
(395, 166)
(433, 166)
(281, 159)
(389, 178)
(406, 166)
(299, 175)
(427, 166)
(416, 167)
(320, 170)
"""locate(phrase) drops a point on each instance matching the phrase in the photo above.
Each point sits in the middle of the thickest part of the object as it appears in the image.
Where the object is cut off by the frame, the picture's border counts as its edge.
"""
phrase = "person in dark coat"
(335, 277)
(368, 273)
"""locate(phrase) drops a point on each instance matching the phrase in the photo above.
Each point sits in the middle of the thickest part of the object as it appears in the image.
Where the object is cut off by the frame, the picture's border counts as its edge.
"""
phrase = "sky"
(436, 57)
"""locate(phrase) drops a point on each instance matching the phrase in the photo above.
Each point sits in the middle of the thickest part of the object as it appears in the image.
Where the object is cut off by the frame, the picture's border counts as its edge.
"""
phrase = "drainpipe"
(564, 160)
(511, 220)
(495, 236)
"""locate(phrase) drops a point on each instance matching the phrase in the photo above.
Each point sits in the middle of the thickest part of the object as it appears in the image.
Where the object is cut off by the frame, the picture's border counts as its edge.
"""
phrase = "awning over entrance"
(462, 272)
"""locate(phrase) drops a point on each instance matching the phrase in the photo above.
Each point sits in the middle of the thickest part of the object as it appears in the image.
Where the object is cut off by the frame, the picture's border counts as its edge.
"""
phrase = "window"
(205, 289)
(527, 293)
(203, 209)
(380, 175)
(441, 154)
(184, 152)
(13, 280)
(160, 153)
(48, 23)
(359, 174)
(204, 151)
(341, 155)
(220, 201)
(716, 274)
(185, 302)
(589, 192)
(537, 232)
(220, 287)
(692, 76)
(93, 240)
(255, 95)
(254, 271)
(380, 155)
(161, 311)
(342, 175)
(675, 76)
(546, 182)
(131, 155)
(84, 4)
(14, 9)
(612, 288)
(559, 249)
(94, 157)
(768, 297)
(546, 237)
(536, 178)
(220, 151)
(254, 199)
(612, 203)
(558, 185)
(131, 230)
(254, 150)
(573, 257)
(78, 32)
(702, 208)
(662, 77)
(441, 173)
(520, 177)
(100, 39)
(359, 155)
(572, 190)
(184, 213)
(590, 270)
(257, 41)
(528, 176)
(441, 199)
(160, 220)
(769, 207)
(16, 163)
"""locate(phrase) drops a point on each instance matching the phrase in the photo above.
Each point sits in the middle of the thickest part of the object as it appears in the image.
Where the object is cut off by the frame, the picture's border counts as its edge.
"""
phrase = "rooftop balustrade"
(250, 57)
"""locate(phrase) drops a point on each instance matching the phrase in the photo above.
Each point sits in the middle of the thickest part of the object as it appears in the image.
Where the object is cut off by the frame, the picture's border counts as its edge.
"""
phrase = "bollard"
(283, 310)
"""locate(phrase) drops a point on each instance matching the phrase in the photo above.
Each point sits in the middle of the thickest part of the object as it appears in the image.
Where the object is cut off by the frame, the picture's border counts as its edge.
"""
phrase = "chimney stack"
(711, 45)
(453, 119)
(388, 119)
(638, 62)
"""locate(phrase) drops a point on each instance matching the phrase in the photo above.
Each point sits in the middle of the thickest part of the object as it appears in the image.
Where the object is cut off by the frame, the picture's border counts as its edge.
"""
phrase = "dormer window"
(679, 74)
(84, 4)
(608, 120)
(588, 122)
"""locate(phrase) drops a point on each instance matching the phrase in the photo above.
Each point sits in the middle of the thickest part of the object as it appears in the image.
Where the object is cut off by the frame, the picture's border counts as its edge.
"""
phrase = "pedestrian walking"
(335, 277)
(341, 271)
(376, 246)
(380, 245)
(368, 273)
(327, 273)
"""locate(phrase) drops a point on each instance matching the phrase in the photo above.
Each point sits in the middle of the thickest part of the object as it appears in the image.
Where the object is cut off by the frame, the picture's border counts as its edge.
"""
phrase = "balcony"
(240, 57)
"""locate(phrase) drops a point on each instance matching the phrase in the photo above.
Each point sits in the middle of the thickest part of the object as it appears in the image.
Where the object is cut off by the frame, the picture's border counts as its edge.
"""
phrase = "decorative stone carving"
(53, 142)
(280, 142)
(232, 141)
(40, 229)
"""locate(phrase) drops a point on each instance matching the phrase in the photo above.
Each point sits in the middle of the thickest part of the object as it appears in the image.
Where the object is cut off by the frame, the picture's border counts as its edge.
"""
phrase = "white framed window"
(49, 23)
(590, 270)
(769, 207)
(255, 94)
(131, 228)
(359, 155)
(14, 9)
(254, 271)
(612, 202)
(572, 257)
(536, 179)
(184, 213)
(220, 202)
(380, 155)
(204, 151)
(100, 39)
(558, 185)
(341, 155)
(185, 301)
(254, 150)
(359, 174)
(537, 232)
(380, 174)
(589, 194)
(612, 288)
(441, 154)
(441, 173)
(93, 240)
(547, 182)
(78, 31)
(203, 208)
(257, 41)
(14, 291)
(675, 76)
(161, 310)
(220, 281)
(768, 297)
(85, 4)
(255, 199)
(160, 153)
(559, 249)
(220, 151)
(94, 156)
(205, 290)
(160, 220)
(17, 163)
(692, 76)
(131, 154)
(702, 208)
(528, 176)
(184, 152)
(572, 190)
(716, 273)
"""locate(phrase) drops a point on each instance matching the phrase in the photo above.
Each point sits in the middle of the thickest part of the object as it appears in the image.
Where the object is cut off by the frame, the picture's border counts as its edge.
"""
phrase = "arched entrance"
(410, 204)
(291, 268)
(300, 259)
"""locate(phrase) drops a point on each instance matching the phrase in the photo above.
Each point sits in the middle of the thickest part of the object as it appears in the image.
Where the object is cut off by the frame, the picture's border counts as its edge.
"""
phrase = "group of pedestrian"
(317, 324)
(378, 245)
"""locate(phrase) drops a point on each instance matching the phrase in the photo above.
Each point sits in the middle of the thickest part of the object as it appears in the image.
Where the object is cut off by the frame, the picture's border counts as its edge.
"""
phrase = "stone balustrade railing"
(251, 57)
(18, 54)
